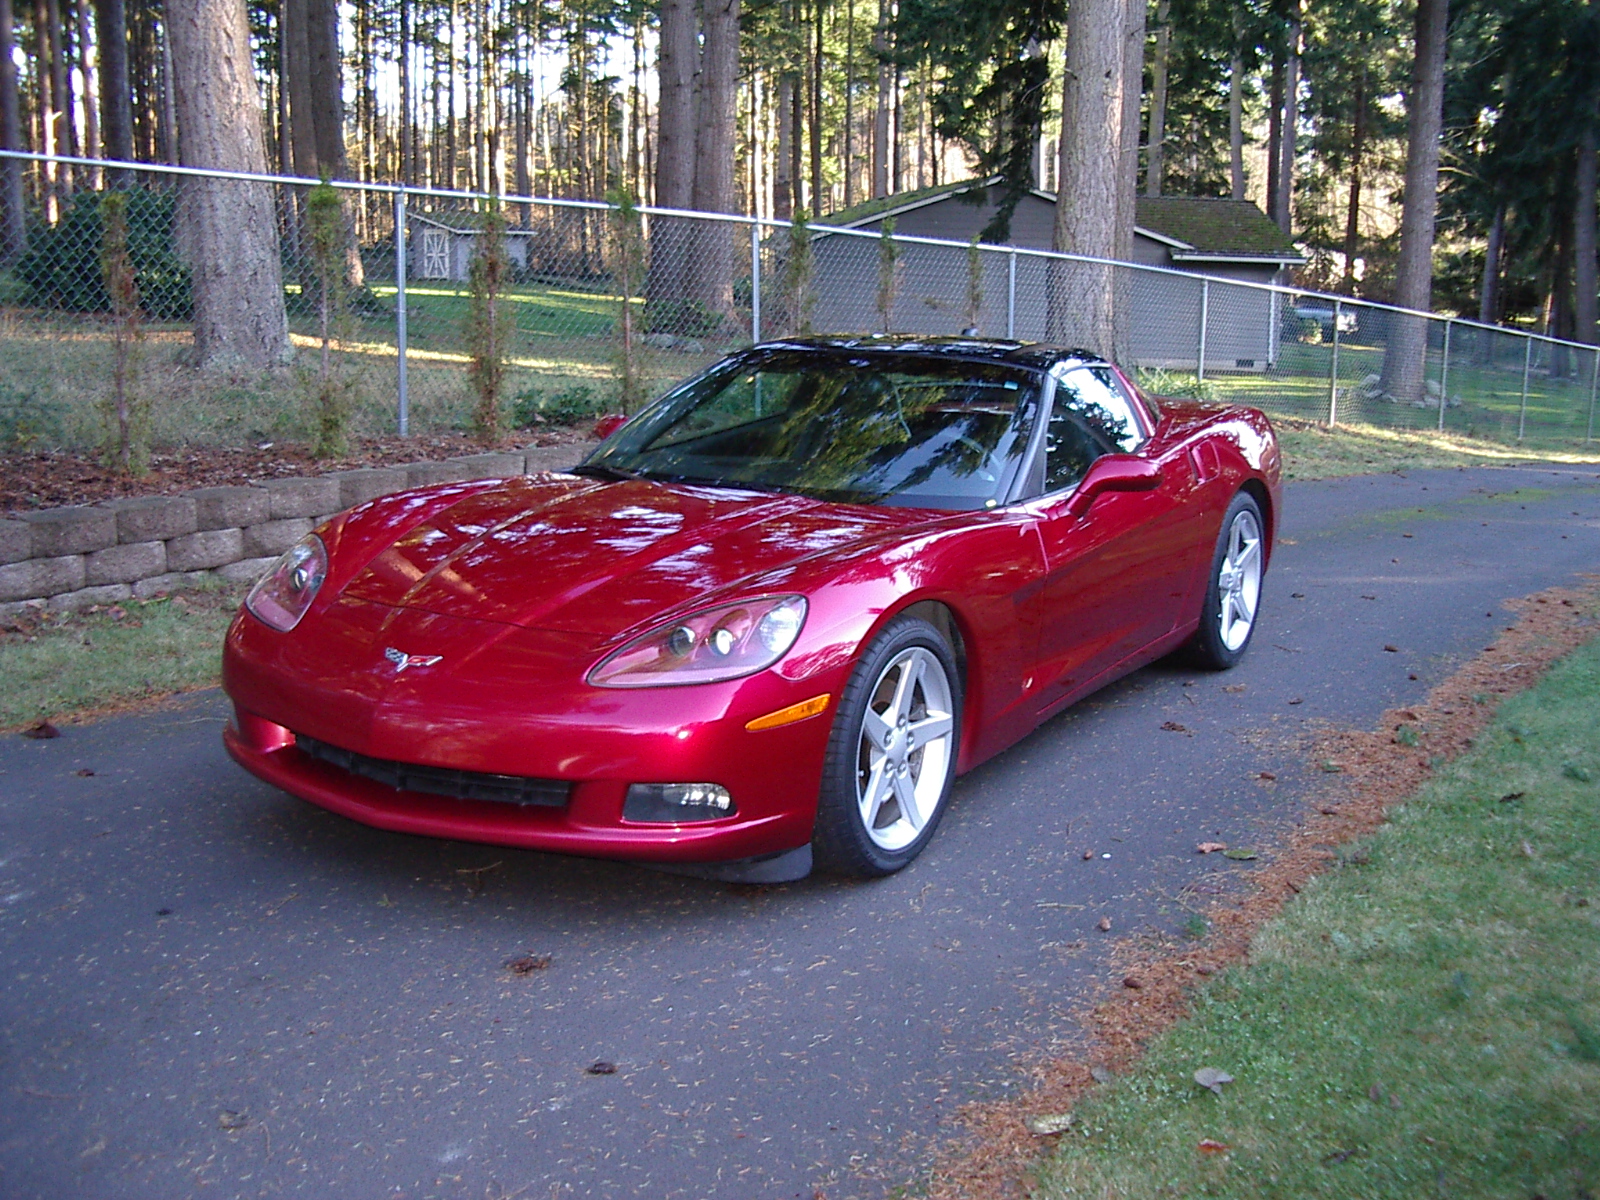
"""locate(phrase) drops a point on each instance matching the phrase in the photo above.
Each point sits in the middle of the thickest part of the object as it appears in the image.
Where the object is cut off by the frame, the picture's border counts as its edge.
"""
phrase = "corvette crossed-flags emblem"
(402, 660)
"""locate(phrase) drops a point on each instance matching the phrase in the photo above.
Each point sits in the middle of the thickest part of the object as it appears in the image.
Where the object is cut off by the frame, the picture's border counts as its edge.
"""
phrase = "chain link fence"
(600, 308)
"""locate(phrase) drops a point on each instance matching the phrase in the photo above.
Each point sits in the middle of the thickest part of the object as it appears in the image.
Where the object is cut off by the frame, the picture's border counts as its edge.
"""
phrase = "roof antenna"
(970, 331)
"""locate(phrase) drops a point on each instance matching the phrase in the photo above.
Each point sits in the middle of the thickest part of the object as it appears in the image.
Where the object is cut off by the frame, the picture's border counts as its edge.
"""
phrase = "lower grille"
(441, 781)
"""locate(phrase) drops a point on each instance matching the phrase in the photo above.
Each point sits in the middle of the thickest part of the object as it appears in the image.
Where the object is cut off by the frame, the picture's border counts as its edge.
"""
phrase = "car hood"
(576, 555)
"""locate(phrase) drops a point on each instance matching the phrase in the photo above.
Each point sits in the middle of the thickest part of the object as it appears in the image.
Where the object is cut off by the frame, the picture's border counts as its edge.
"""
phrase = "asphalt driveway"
(210, 988)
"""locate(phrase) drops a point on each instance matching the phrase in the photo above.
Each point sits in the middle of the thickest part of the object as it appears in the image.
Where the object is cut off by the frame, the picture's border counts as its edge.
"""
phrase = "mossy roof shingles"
(1230, 227)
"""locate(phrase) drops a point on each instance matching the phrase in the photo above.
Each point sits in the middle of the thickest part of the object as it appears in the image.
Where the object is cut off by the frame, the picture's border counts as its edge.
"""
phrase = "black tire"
(842, 842)
(1220, 642)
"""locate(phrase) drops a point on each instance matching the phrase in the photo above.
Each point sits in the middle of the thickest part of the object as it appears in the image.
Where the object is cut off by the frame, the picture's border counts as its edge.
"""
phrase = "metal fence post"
(1011, 295)
(755, 282)
(1444, 374)
(1594, 387)
(1205, 315)
(1527, 365)
(1333, 370)
(400, 308)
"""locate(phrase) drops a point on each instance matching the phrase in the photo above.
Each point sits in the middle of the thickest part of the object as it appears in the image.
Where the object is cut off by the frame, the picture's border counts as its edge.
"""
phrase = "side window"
(1091, 416)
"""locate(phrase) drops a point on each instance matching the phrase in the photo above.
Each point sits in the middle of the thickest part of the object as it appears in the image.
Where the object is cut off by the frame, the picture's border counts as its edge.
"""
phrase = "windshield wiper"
(605, 471)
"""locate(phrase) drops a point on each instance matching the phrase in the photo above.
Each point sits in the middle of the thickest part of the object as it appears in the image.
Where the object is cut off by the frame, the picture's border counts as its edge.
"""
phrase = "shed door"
(435, 254)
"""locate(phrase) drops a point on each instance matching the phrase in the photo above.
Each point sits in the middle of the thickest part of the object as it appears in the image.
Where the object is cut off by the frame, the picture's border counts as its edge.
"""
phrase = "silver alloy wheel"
(905, 748)
(1239, 580)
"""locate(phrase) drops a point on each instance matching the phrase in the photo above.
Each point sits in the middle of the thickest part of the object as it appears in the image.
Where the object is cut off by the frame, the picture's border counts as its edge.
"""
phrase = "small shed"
(1227, 239)
(442, 244)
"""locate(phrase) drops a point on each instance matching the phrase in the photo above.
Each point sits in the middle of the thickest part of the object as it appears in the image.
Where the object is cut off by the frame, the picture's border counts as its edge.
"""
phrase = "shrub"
(125, 413)
(1177, 384)
(26, 421)
(574, 403)
(62, 266)
(681, 318)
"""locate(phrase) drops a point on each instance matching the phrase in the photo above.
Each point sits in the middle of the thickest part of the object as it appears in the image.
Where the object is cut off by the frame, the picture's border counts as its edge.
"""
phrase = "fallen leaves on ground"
(1052, 1123)
(42, 731)
(1211, 1077)
(601, 1067)
(527, 964)
(1210, 847)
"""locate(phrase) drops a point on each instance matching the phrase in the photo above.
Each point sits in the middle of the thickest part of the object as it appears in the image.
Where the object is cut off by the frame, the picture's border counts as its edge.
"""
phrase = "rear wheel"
(1233, 595)
(892, 753)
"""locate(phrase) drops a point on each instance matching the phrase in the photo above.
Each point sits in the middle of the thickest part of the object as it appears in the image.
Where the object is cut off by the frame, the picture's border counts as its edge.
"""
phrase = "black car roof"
(1038, 355)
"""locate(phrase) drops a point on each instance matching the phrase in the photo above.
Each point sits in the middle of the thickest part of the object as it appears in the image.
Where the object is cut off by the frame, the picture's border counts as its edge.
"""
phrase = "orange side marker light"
(788, 716)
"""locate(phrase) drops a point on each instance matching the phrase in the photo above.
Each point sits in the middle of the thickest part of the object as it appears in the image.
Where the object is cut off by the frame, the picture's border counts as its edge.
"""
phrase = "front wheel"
(1233, 595)
(892, 754)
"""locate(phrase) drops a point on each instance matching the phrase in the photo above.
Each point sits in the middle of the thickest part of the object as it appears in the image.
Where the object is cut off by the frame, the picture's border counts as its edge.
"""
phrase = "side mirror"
(609, 424)
(1113, 473)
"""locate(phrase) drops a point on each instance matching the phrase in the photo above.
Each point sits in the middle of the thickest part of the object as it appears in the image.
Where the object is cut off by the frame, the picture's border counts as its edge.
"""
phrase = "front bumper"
(517, 713)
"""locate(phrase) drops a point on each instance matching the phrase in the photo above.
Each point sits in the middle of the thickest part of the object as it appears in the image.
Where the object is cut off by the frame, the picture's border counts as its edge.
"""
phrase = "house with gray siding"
(1186, 236)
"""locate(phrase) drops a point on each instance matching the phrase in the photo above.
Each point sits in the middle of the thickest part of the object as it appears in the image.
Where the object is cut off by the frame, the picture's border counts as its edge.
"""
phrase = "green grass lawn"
(1423, 1021)
(57, 664)
(1556, 416)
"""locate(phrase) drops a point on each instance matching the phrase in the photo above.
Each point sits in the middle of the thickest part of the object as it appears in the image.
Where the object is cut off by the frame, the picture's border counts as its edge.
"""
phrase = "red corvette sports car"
(769, 620)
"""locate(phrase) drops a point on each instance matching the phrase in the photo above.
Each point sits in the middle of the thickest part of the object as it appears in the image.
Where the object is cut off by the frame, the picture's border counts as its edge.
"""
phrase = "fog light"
(675, 803)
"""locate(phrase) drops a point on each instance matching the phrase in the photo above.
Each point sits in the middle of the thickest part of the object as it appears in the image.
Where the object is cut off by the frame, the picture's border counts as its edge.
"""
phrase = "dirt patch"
(49, 479)
(1148, 986)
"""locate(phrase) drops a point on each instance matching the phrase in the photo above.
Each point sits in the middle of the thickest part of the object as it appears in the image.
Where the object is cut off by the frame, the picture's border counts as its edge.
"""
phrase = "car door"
(1115, 573)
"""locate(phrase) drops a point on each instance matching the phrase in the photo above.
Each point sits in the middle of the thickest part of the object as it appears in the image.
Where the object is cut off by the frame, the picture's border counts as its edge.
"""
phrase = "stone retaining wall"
(133, 549)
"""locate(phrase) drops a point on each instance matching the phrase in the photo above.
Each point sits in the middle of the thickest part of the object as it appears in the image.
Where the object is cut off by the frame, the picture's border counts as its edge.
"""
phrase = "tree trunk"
(898, 178)
(1133, 39)
(1583, 238)
(1274, 131)
(61, 95)
(1405, 357)
(1082, 299)
(297, 63)
(1158, 99)
(327, 115)
(1352, 214)
(1560, 307)
(1489, 288)
(783, 204)
(91, 109)
(452, 149)
(169, 142)
(880, 116)
(13, 230)
(675, 111)
(849, 103)
(717, 130)
(1291, 124)
(677, 66)
(1236, 111)
(116, 110)
(817, 7)
(44, 80)
(231, 226)
(796, 150)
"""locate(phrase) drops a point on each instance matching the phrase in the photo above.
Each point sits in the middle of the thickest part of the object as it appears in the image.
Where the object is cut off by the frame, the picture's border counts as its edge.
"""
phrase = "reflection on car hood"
(576, 555)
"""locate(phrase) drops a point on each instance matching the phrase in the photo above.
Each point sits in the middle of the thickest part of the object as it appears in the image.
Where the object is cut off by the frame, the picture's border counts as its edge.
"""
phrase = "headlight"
(280, 598)
(708, 646)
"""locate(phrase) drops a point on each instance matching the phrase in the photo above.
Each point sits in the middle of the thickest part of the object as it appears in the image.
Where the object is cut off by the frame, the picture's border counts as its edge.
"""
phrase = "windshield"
(869, 428)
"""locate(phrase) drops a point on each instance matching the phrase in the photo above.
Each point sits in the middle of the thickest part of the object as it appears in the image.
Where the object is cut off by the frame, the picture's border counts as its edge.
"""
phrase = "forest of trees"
(1326, 112)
